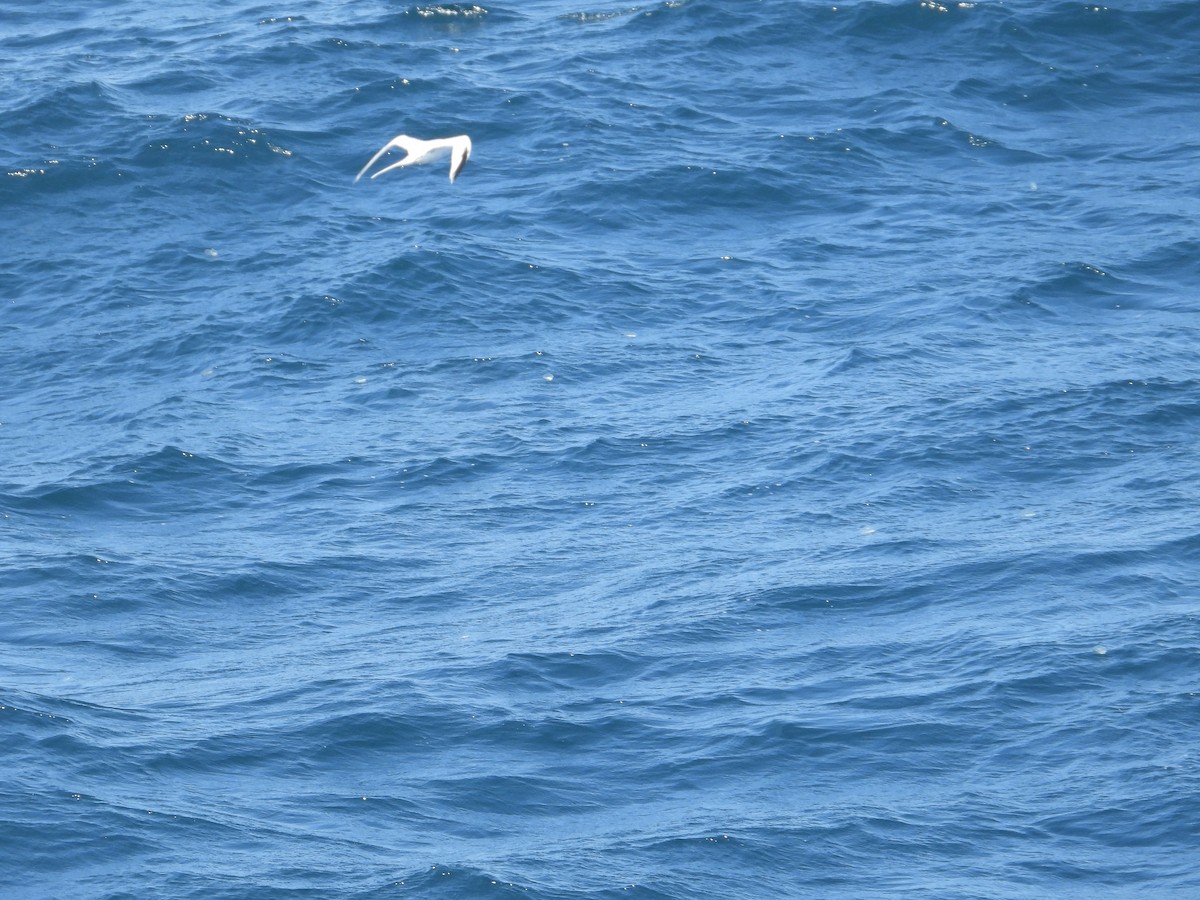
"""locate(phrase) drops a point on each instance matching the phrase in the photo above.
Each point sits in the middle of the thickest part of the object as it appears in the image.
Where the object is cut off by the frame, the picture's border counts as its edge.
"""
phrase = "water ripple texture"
(768, 470)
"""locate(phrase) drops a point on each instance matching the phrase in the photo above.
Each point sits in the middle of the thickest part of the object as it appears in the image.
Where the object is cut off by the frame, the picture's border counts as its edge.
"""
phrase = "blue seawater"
(770, 469)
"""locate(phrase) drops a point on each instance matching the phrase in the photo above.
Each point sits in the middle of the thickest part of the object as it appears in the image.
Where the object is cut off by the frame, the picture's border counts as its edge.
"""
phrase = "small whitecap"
(211, 253)
(1100, 650)
(360, 380)
(208, 373)
(631, 334)
(866, 529)
(548, 377)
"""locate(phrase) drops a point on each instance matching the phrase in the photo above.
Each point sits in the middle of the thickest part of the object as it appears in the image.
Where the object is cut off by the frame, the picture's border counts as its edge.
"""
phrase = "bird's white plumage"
(418, 152)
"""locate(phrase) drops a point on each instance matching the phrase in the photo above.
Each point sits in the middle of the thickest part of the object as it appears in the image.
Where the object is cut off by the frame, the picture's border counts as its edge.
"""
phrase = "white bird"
(419, 152)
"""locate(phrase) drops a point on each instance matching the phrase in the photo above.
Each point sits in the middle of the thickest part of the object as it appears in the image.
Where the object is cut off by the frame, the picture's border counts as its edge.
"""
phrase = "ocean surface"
(769, 470)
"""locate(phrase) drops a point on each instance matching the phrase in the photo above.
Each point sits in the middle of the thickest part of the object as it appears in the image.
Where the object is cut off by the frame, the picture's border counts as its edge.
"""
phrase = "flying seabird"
(418, 152)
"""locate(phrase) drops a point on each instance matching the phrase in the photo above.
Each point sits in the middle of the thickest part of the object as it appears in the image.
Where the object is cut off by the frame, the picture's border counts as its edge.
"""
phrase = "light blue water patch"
(766, 471)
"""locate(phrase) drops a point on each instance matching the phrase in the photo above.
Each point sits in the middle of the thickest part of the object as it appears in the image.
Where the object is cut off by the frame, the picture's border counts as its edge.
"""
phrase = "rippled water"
(768, 470)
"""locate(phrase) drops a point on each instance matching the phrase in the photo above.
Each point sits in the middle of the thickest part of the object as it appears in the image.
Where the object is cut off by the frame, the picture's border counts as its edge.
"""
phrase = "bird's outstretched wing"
(400, 141)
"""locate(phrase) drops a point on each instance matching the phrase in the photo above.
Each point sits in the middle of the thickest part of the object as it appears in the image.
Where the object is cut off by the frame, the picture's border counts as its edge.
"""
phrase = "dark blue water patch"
(897, 22)
(202, 139)
(459, 880)
(130, 484)
(1145, 24)
(428, 286)
(89, 848)
(1171, 268)
(768, 461)
(450, 18)
(64, 108)
(49, 26)
(357, 739)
